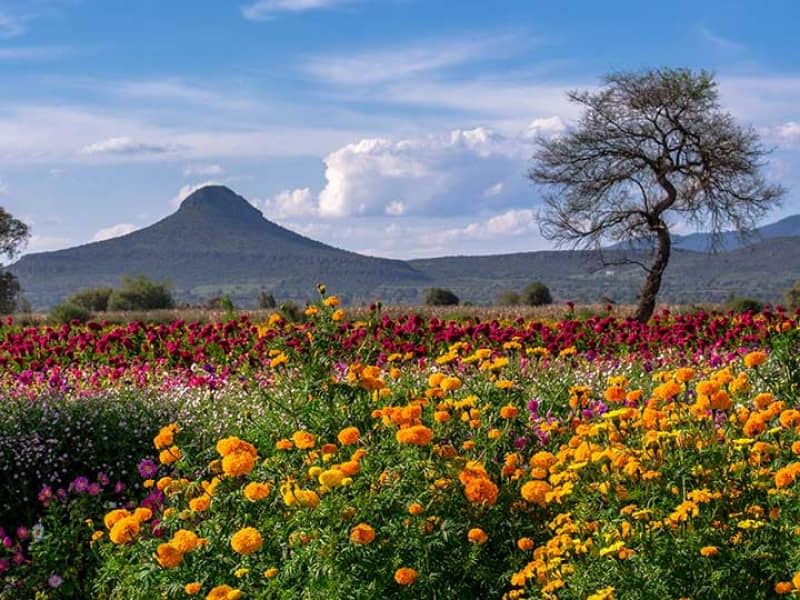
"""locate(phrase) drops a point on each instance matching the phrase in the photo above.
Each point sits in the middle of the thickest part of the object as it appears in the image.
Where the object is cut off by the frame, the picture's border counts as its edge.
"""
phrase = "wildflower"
(536, 492)
(124, 530)
(405, 576)
(709, 551)
(477, 536)
(753, 359)
(201, 503)
(270, 573)
(362, 534)
(247, 541)
(55, 580)
(220, 592)
(304, 440)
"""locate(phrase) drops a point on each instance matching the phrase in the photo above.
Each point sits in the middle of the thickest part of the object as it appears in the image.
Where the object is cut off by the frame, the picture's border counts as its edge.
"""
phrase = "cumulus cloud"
(290, 204)
(461, 172)
(549, 127)
(790, 132)
(125, 146)
(193, 170)
(114, 231)
(266, 9)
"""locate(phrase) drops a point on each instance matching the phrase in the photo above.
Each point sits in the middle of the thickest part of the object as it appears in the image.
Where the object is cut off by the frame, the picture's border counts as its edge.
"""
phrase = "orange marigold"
(168, 556)
(255, 491)
(536, 491)
(480, 490)
(362, 534)
(477, 536)
(304, 440)
(247, 541)
(405, 576)
(349, 436)
(416, 435)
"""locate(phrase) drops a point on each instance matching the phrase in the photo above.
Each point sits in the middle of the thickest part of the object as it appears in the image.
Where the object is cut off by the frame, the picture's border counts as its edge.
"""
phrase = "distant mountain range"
(218, 243)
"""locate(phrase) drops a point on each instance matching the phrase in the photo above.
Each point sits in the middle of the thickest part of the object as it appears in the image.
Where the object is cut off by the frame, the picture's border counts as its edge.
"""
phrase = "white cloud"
(125, 146)
(719, 41)
(193, 170)
(32, 53)
(290, 204)
(513, 222)
(445, 174)
(548, 127)
(46, 243)
(114, 231)
(266, 9)
(790, 131)
(389, 64)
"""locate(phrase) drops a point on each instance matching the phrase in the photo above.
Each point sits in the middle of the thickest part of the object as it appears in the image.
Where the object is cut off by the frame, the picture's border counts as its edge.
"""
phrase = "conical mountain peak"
(219, 201)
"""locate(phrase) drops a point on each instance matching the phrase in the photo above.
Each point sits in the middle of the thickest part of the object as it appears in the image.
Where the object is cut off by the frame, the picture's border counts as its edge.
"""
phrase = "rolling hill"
(217, 242)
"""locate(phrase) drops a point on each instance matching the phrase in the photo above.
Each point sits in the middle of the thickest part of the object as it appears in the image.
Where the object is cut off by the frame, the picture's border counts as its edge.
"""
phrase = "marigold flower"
(481, 490)
(525, 544)
(709, 551)
(416, 435)
(192, 589)
(753, 359)
(477, 536)
(331, 478)
(220, 592)
(270, 573)
(170, 455)
(200, 504)
(284, 444)
(247, 541)
(362, 534)
(115, 515)
(304, 440)
(185, 541)
(349, 436)
(238, 463)
(168, 556)
(784, 587)
(450, 384)
(536, 492)
(255, 491)
(415, 508)
(509, 411)
(405, 576)
(125, 530)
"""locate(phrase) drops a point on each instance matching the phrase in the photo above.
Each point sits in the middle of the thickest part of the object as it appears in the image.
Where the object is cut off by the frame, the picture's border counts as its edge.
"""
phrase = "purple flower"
(23, 533)
(119, 487)
(148, 469)
(533, 408)
(45, 495)
(103, 479)
(55, 580)
(79, 485)
(95, 489)
(4, 565)
(8, 542)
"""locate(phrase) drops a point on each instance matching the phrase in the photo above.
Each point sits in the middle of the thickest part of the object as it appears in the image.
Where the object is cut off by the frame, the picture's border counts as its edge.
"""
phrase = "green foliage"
(9, 292)
(536, 294)
(92, 299)
(292, 312)
(742, 304)
(68, 312)
(440, 297)
(508, 298)
(141, 293)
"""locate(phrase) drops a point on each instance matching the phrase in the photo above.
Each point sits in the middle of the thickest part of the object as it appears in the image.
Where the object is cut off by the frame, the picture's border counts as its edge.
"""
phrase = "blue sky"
(398, 128)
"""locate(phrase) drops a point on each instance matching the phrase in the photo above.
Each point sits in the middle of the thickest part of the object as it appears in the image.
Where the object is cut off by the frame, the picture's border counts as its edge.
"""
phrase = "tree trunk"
(647, 297)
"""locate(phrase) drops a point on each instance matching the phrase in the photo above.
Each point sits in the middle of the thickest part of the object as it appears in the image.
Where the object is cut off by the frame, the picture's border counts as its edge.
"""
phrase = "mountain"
(218, 243)
(728, 240)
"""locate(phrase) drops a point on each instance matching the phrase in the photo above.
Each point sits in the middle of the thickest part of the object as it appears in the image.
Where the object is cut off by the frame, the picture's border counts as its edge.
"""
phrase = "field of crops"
(389, 455)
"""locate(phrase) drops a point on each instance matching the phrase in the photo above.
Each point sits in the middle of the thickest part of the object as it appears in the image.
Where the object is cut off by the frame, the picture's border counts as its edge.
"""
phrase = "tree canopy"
(651, 150)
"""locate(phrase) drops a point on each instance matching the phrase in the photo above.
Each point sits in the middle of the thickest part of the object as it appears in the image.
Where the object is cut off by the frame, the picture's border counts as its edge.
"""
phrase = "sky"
(397, 128)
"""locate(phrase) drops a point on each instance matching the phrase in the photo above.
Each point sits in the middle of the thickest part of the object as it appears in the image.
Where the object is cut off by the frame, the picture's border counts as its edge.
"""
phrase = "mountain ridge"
(217, 243)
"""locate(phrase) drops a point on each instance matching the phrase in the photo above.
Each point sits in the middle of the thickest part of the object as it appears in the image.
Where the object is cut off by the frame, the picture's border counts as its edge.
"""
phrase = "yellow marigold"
(536, 491)
(753, 359)
(709, 551)
(331, 478)
(255, 491)
(192, 589)
(170, 455)
(246, 541)
(168, 556)
(362, 534)
(331, 301)
(796, 580)
(543, 460)
(450, 384)
(338, 315)
(124, 530)
(416, 435)
(304, 440)
(405, 576)
(200, 504)
(270, 573)
(185, 541)
(165, 437)
(477, 536)
(232, 444)
(142, 514)
(238, 463)
(349, 436)
(115, 515)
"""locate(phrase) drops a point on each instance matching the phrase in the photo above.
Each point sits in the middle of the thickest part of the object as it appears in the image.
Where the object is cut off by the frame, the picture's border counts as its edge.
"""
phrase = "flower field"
(403, 457)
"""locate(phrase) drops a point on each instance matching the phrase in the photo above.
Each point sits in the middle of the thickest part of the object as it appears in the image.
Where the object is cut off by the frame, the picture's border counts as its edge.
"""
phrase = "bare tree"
(651, 147)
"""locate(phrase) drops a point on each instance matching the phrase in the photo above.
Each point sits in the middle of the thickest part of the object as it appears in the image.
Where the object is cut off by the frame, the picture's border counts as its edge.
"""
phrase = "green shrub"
(92, 299)
(440, 297)
(266, 300)
(9, 292)
(141, 293)
(793, 296)
(741, 304)
(508, 298)
(67, 312)
(536, 294)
